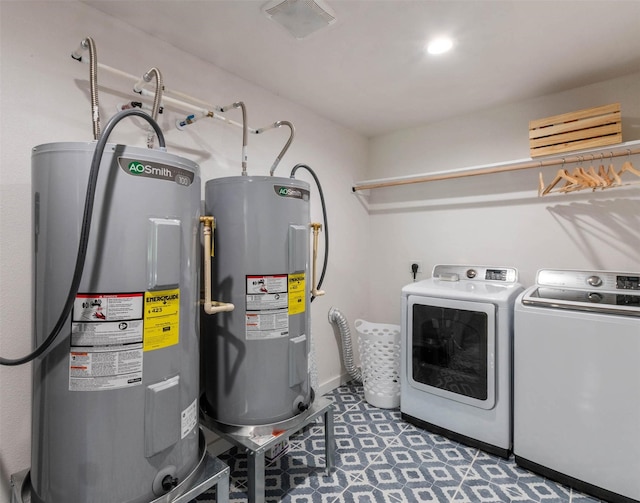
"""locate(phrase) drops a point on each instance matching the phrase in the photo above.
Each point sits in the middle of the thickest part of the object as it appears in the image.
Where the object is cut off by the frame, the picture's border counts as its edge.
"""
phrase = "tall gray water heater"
(255, 359)
(115, 406)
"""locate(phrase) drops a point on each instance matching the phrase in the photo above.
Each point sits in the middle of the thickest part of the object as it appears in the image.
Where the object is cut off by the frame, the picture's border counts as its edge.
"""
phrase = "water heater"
(255, 359)
(115, 405)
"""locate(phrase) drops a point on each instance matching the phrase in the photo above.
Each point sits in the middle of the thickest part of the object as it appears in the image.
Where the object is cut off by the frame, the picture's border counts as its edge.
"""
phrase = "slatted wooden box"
(589, 128)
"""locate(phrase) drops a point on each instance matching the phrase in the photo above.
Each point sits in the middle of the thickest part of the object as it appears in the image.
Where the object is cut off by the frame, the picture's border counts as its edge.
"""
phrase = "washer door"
(451, 349)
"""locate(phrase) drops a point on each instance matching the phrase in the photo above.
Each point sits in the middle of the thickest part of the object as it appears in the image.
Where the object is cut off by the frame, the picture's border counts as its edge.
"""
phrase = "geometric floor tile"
(382, 459)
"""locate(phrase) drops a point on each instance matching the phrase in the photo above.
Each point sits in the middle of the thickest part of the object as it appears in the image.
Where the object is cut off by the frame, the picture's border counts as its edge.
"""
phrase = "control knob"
(594, 280)
(594, 297)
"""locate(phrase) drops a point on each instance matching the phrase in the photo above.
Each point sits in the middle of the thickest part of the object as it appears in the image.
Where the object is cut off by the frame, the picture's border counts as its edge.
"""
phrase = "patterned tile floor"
(382, 459)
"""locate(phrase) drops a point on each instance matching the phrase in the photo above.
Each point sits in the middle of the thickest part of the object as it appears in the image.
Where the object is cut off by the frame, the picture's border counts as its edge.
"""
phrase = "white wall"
(44, 98)
(496, 219)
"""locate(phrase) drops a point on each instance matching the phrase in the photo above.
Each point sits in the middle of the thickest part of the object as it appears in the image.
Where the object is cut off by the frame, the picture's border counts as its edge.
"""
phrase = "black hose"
(324, 217)
(84, 233)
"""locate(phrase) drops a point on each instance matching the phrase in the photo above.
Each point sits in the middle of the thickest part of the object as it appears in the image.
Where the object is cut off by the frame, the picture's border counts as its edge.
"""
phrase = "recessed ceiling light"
(439, 45)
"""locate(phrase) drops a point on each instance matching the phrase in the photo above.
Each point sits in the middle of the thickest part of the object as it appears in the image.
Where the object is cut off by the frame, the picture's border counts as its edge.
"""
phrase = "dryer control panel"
(475, 273)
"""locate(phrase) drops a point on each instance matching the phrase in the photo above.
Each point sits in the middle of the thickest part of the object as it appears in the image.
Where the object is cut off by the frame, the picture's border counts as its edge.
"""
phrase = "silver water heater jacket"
(115, 399)
(256, 358)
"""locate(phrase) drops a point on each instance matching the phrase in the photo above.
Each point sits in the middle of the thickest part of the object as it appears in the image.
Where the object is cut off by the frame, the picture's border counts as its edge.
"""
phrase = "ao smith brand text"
(156, 170)
(293, 192)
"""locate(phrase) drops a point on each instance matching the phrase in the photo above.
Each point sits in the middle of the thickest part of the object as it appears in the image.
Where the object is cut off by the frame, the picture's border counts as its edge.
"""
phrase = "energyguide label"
(161, 319)
(297, 291)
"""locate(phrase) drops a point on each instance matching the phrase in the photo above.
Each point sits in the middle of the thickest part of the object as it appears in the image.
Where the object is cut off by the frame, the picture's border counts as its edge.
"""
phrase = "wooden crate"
(589, 128)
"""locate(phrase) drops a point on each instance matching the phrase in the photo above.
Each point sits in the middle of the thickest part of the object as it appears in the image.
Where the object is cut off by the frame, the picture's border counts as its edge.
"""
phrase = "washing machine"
(456, 356)
(577, 381)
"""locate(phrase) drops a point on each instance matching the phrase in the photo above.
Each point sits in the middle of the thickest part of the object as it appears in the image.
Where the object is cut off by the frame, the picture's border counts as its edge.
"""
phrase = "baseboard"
(333, 383)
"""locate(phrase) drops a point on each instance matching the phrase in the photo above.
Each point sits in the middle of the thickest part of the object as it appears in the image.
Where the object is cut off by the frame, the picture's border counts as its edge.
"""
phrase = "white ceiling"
(368, 70)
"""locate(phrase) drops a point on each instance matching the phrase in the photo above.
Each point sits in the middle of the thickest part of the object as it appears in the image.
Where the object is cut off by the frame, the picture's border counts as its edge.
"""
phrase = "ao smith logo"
(286, 191)
(283, 191)
(156, 170)
(137, 168)
(163, 298)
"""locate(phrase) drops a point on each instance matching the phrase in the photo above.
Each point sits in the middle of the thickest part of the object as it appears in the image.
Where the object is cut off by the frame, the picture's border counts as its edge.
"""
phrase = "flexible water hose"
(88, 43)
(245, 130)
(286, 145)
(93, 82)
(83, 242)
(157, 98)
(341, 327)
(324, 218)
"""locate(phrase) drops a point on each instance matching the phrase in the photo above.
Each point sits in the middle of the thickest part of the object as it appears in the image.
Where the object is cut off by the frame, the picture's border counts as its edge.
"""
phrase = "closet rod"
(448, 175)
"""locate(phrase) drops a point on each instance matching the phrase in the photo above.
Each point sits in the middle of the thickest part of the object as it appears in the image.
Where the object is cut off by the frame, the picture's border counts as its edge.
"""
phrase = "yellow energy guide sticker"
(297, 292)
(161, 319)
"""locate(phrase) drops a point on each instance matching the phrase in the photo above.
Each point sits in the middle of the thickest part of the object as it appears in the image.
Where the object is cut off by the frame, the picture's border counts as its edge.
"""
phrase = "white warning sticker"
(267, 307)
(107, 307)
(94, 370)
(106, 333)
(266, 301)
(106, 345)
(189, 418)
(267, 284)
(267, 325)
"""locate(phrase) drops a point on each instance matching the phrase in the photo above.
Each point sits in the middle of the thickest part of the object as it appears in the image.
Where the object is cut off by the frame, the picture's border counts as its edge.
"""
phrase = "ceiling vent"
(301, 18)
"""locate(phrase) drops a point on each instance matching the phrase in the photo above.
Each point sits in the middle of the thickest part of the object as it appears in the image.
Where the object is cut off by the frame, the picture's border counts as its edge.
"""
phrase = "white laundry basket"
(380, 356)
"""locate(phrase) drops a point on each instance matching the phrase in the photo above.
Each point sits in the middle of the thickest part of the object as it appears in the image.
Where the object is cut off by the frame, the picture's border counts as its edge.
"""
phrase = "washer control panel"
(475, 273)
(605, 280)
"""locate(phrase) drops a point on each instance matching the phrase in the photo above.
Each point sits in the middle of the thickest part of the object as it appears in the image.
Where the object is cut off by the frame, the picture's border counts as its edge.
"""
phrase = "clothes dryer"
(456, 360)
(577, 381)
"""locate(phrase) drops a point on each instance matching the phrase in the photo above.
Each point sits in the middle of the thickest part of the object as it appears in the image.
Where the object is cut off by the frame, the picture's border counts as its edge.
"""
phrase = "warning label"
(267, 307)
(106, 333)
(267, 284)
(296, 293)
(189, 418)
(266, 301)
(106, 341)
(107, 307)
(161, 319)
(94, 370)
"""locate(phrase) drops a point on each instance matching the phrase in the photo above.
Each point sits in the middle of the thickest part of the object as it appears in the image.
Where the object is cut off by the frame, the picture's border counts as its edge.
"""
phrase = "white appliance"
(457, 330)
(577, 381)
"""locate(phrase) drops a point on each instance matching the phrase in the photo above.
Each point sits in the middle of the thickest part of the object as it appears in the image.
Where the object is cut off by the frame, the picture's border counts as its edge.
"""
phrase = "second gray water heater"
(255, 359)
